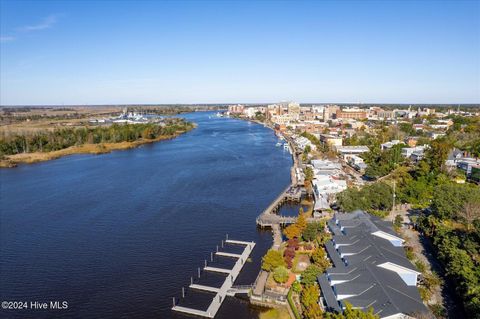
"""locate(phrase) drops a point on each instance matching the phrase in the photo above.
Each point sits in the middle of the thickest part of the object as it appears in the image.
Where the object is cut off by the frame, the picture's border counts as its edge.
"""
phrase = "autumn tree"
(295, 230)
(292, 231)
(309, 299)
(272, 260)
(319, 258)
(288, 255)
(301, 221)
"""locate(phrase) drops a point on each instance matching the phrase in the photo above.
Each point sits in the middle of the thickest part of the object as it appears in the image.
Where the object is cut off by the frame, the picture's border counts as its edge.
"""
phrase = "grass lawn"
(277, 313)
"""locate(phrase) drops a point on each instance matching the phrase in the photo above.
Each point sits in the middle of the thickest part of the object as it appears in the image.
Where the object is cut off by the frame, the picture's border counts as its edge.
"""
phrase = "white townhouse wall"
(409, 276)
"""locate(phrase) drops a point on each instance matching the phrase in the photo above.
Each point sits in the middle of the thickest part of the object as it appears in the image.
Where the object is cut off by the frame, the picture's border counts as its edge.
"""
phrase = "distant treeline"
(47, 141)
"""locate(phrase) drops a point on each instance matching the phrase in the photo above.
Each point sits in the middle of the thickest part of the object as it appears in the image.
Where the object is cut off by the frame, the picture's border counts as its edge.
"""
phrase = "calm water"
(117, 235)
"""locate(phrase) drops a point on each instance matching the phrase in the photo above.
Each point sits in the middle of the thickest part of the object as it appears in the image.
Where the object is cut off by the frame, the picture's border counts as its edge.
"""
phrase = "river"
(117, 235)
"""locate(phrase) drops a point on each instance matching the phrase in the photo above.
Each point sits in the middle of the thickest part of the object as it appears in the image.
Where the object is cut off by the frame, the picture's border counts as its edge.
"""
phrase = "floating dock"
(227, 288)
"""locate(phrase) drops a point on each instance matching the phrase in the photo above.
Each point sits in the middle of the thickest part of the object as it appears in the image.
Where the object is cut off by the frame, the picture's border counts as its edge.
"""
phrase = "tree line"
(47, 141)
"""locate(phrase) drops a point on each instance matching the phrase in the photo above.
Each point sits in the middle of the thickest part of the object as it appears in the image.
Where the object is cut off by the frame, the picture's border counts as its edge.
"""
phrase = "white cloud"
(6, 38)
(46, 23)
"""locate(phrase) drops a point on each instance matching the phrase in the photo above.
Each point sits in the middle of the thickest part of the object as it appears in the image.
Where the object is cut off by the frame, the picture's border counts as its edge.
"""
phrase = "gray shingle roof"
(328, 294)
(371, 285)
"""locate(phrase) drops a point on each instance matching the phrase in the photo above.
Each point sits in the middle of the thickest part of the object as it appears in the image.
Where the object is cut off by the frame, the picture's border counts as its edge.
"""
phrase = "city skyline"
(239, 52)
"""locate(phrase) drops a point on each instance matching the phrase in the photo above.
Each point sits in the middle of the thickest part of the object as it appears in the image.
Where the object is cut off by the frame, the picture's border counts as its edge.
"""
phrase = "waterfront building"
(303, 142)
(251, 112)
(326, 167)
(326, 183)
(324, 189)
(369, 269)
(236, 109)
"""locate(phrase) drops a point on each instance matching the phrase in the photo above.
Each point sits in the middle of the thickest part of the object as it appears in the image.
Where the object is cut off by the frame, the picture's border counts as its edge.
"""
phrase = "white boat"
(278, 144)
(286, 147)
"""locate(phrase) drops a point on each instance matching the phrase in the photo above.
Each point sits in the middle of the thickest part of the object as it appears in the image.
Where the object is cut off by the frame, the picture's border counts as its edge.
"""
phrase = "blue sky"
(100, 52)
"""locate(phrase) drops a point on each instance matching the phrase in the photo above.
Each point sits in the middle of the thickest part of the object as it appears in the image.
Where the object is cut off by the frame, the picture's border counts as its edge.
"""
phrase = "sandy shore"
(28, 158)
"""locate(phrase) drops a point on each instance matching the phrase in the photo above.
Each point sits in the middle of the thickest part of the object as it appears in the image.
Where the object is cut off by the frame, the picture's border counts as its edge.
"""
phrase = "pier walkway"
(268, 217)
(227, 288)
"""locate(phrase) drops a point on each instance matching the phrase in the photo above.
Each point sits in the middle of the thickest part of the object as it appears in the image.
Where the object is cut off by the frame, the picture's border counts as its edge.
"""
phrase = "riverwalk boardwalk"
(227, 288)
(268, 218)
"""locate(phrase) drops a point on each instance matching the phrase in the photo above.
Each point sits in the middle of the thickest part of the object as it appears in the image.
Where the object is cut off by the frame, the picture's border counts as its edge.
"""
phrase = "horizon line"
(233, 103)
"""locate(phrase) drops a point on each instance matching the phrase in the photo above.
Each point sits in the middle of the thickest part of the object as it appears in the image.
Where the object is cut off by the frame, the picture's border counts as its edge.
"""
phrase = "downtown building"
(370, 269)
(351, 113)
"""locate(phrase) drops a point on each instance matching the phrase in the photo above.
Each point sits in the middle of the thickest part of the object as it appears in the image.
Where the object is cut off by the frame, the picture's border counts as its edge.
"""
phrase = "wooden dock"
(227, 288)
(268, 217)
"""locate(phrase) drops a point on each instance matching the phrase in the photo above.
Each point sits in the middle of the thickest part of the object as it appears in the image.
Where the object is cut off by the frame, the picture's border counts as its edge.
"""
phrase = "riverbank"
(10, 161)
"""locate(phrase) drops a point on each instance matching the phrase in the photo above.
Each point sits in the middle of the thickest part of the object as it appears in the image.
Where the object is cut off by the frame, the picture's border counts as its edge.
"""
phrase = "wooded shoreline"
(10, 161)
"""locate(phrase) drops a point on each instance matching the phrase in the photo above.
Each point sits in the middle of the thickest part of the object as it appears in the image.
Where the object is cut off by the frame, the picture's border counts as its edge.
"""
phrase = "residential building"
(326, 183)
(352, 150)
(389, 145)
(303, 142)
(467, 163)
(414, 152)
(369, 269)
(331, 140)
(356, 162)
(324, 189)
(454, 156)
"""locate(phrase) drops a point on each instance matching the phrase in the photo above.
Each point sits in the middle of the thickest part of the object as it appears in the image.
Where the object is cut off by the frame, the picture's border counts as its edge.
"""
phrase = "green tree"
(437, 153)
(296, 286)
(311, 231)
(374, 197)
(451, 200)
(351, 313)
(398, 221)
(280, 274)
(309, 275)
(272, 260)
(308, 173)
